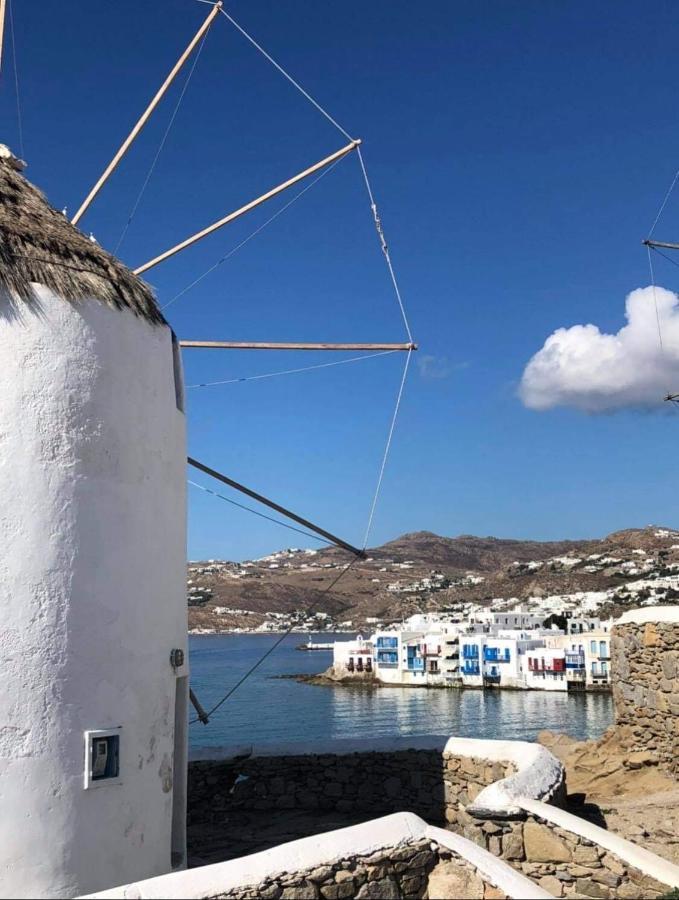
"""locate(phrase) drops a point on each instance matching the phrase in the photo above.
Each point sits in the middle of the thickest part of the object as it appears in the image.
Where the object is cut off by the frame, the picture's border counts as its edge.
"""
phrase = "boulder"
(542, 845)
(448, 879)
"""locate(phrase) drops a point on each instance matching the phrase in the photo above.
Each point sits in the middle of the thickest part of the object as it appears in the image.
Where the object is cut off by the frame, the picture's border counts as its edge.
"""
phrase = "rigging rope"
(392, 274)
(664, 203)
(276, 644)
(339, 362)
(253, 234)
(287, 75)
(16, 80)
(161, 146)
(386, 450)
(383, 243)
(256, 512)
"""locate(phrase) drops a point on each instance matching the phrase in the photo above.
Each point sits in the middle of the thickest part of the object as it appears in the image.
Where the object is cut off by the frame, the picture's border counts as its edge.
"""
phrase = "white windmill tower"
(93, 632)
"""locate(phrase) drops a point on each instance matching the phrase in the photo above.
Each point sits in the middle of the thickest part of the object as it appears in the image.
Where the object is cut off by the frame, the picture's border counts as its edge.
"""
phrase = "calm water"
(269, 709)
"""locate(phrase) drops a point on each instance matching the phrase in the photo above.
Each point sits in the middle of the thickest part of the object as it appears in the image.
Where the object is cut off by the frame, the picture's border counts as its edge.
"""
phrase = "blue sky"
(518, 152)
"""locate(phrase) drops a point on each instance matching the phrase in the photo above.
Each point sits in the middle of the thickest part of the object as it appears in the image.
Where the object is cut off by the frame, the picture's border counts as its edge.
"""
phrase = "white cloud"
(598, 372)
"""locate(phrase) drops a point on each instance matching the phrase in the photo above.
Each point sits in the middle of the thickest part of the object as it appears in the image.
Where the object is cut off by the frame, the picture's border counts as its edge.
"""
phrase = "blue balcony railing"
(390, 642)
(470, 651)
(496, 654)
(470, 668)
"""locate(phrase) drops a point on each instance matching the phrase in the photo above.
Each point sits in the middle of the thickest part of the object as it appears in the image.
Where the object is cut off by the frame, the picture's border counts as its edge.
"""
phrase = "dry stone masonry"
(418, 870)
(560, 861)
(645, 666)
(425, 782)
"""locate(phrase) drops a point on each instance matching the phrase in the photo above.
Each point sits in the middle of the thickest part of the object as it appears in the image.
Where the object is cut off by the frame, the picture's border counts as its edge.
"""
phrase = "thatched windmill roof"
(39, 245)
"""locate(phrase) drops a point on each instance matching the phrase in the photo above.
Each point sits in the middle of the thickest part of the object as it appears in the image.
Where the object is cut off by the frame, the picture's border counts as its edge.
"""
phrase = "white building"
(544, 669)
(93, 630)
(587, 657)
(353, 656)
(496, 660)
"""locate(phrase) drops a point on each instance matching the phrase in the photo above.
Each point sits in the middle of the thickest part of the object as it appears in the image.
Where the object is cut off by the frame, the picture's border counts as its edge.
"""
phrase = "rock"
(651, 637)
(270, 892)
(495, 845)
(628, 891)
(542, 845)
(613, 864)
(591, 889)
(552, 885)
(649, 886)
(338, 891)
(586, 855)
(411, 885)
(491, 828)
(580, 871)
(512, 845)
(386, 889)
(448, 879)
(307, 890)
(493, 893)
(608, 878)
(669, 665)
(343, 875)
(639, 759)
(323, 873)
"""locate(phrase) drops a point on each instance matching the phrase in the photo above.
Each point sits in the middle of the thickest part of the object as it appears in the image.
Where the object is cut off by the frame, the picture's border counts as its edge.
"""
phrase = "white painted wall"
(92, 593)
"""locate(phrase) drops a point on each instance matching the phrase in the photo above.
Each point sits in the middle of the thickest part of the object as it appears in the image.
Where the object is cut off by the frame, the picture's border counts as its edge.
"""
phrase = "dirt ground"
(620, 790)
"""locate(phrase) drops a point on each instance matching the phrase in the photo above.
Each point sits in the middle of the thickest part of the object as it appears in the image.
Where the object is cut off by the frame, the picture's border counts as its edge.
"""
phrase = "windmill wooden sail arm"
(666, 245)
(331, 538)
(291, 345)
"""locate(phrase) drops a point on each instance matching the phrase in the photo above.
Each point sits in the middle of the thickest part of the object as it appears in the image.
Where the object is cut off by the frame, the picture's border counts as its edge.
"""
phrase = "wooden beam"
(649, 243)
(248, 206)
(268, 345)
(147, 112)
(197, 705)
(280, 509)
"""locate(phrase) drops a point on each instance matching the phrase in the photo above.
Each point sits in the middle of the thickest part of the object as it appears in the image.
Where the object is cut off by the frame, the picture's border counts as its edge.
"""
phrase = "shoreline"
(321, 679)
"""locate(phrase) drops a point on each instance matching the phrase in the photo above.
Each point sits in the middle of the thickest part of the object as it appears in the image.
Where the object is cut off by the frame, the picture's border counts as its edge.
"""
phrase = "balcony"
(494, 654)
(471, 670)
(470, 651)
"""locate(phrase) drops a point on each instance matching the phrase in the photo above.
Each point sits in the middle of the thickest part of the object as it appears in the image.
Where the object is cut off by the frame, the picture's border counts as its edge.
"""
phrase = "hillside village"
(460, 577)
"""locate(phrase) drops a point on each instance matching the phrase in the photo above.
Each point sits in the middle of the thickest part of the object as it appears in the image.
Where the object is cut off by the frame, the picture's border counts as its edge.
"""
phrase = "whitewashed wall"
(92, 593)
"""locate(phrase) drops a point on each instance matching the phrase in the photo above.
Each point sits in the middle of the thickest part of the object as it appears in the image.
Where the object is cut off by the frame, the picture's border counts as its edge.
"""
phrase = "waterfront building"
(545, 669)
(353, 656)
(587, 657)
(496, 660)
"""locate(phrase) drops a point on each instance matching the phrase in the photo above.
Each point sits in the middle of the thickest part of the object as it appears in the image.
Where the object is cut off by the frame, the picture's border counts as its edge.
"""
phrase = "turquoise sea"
(266, 708)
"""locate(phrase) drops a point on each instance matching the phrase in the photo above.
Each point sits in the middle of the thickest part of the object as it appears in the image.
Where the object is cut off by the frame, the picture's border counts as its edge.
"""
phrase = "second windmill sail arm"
(361, 554)
(290, 345)
(664, 244)
(248, 206)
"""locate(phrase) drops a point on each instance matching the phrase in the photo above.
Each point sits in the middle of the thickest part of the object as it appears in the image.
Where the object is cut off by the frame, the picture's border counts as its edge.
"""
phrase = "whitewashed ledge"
(648, 614)
(661, 869)
(539, 774)
(310, 853)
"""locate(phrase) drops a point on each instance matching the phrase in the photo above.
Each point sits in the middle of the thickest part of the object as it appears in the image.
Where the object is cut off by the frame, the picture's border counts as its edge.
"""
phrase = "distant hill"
(425, 571)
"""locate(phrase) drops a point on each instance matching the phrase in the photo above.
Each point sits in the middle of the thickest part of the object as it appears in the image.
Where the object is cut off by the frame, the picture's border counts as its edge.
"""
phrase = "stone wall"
(418, 870)
(426, 782)
(645, 673)
(560, 861)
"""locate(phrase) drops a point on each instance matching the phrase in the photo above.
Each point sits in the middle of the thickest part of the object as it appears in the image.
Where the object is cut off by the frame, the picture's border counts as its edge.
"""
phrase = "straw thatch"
(38, 245)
